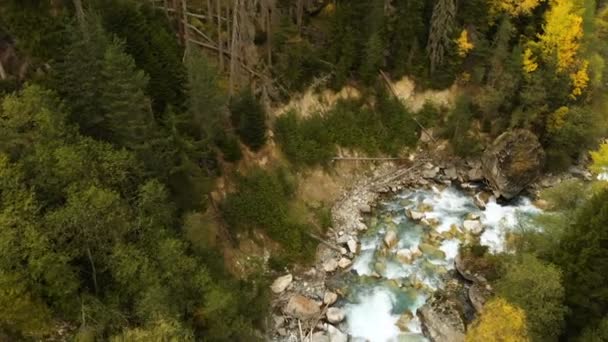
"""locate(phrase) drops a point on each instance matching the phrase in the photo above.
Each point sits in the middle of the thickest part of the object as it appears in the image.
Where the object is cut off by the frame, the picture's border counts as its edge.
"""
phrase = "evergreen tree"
(583, 257)
(126, 109)
(249, 117)
(150, 40)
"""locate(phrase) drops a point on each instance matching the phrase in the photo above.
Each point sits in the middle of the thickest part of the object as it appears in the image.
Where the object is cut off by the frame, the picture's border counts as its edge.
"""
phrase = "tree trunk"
(269, 35)
(185, 29)
(299, 14)
(93, 270)
(2, 71)
(80, 14)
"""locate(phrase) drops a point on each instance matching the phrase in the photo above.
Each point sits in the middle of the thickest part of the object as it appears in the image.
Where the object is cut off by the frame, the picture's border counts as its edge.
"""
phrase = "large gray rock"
(442, 320)
(302, 307)
(513, 161)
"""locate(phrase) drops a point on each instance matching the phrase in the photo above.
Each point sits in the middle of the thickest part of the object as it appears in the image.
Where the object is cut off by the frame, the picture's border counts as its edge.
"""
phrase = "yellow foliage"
(557, 120)
(464, 44)
(530, 64)
(600, 159)
(514, 8)
(563, 32)
(499, 321)
(580, 80)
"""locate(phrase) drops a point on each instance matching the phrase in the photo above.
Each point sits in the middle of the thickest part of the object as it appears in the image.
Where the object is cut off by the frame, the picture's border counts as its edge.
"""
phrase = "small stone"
(475, 174)
(390, 239)
(302, 307)
(415, 215)
(450, 173)
(365, 208)
(329, 298)
(361, 226)
(340, 233)
(473, 226)
(344, 263)
(278, 321)
(352, 245)
(330, 265)
(281, 283)
(282, 331)
(343, 251)
(335, 315)
(343, 239)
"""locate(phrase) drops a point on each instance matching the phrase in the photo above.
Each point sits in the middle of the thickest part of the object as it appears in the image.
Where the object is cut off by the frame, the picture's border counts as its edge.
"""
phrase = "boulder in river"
(281, 283)
(442, 320)
(431, 251)
(473, 226)
(512, 162)
(302, 308)
(415, 215)
(391, 239)
(344, 263)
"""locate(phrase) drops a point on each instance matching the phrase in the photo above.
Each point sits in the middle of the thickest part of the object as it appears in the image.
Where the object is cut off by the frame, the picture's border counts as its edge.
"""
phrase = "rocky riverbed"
(388, 270)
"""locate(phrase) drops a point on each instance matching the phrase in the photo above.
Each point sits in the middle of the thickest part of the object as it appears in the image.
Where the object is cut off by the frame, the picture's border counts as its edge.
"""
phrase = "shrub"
(262, 201)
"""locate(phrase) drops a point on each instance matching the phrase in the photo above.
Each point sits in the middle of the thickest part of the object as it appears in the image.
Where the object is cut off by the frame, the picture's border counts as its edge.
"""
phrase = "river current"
(395, 279)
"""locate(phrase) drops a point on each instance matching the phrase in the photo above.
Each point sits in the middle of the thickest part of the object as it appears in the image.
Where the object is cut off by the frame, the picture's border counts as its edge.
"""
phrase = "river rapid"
(408, 251)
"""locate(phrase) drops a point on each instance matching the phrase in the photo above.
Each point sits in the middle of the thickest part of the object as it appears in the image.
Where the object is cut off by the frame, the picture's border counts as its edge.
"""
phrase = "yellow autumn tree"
(500, 321)
(557, 119)
(514, 8)
(600, 159)
(464, 44)
(580, 80)
(563, 31)
(529, 61)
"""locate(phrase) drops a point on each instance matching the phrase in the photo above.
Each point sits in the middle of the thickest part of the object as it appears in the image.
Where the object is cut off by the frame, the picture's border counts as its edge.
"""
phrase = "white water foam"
(372, 318)
(500, 219)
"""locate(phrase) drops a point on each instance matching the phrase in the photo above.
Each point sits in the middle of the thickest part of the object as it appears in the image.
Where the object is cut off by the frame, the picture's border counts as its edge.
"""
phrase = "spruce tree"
(249, 117)
(126, 108)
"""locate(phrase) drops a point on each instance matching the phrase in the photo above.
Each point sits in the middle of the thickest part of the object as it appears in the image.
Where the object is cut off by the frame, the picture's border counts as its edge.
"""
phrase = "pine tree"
(249, 117)
(126, 109)
(78, 77)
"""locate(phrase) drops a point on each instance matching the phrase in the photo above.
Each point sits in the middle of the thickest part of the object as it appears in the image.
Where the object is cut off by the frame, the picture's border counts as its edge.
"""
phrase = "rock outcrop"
(442, 320)
(512, 162)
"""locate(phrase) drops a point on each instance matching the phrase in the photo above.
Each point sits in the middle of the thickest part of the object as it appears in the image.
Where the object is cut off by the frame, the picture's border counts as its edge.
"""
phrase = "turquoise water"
(393, 282)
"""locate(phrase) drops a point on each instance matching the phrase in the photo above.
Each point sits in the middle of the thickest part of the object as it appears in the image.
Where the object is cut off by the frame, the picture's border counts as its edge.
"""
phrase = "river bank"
(311, 305)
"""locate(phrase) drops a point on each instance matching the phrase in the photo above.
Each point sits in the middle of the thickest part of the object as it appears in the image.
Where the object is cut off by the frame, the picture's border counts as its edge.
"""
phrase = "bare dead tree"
(2, 71)
(442, 24)
(234, 47)
(220, 40)
(80, 15)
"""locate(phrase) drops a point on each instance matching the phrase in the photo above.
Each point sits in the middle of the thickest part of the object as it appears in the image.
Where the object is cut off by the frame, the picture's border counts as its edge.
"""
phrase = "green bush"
(262, 201)
(386, 128)
(229, 145)
(304, 141)
(457, 128)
